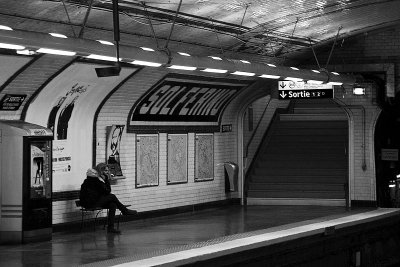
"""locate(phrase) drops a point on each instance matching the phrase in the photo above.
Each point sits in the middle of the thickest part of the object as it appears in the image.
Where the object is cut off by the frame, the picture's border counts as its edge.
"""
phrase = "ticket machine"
(25, 182)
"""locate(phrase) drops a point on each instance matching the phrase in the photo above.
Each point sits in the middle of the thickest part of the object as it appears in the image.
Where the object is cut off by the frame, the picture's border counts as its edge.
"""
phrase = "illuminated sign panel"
(11, 102)
(302, 90)
(185, 103)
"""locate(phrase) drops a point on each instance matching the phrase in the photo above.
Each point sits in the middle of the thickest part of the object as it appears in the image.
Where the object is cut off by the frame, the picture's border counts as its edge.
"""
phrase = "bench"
(96, 210)
(85, 211)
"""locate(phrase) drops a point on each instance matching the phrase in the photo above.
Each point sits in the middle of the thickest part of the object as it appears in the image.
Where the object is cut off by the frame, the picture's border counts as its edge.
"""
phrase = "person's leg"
(108, 202)
(111, 218)
(112, 198)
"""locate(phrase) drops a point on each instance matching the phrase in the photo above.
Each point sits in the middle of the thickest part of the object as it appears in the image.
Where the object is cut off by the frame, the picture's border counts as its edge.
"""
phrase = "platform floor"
(145, 238)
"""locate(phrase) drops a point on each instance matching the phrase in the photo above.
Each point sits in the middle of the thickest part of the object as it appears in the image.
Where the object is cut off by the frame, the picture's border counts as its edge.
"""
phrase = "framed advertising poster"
(147, 164)
(204, 157)
(114, 135)
(177, 159)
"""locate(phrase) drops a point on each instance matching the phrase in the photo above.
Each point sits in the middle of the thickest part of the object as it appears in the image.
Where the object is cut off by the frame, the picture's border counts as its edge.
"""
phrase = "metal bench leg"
(119, 216)
(82, 219)
(95, 219)
(105, 221)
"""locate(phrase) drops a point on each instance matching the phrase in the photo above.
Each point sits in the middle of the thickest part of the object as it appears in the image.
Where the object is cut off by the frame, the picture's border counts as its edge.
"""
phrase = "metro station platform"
(227, 236)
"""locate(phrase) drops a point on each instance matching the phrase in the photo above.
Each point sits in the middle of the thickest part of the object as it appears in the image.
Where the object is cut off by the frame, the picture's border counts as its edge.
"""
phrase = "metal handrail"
(255, 130)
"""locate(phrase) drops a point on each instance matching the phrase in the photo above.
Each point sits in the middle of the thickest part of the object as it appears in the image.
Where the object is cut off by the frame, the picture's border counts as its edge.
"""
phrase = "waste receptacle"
(231, 171)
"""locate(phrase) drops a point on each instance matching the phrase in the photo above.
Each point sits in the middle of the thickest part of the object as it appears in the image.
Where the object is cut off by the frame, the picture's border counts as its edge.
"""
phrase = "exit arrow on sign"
(283, 95)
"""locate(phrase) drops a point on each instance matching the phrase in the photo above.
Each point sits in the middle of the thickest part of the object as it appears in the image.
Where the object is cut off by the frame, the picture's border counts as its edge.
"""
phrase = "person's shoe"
(112, 230)
(130, 212)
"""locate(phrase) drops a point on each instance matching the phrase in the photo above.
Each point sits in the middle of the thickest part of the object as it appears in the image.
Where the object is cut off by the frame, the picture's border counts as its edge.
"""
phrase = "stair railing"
(256, 129)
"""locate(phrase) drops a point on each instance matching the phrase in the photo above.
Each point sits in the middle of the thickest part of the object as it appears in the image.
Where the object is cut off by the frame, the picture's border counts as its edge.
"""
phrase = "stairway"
(303, 161)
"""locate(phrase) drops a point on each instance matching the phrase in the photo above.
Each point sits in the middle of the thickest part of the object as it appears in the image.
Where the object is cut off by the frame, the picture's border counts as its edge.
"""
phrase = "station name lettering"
(176, 100)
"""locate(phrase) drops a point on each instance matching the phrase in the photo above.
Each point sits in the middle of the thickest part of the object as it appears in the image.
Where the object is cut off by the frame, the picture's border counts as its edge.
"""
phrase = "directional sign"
(302, 90)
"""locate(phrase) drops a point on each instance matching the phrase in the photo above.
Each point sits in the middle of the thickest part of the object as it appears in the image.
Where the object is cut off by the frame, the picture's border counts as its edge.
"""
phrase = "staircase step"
(311, 131)
(312, 124)
(307, 109)
(312, 115)
(313, 155)
(327, 165)
(297, 194)
(328, 179)
(304, 148)
(300, 186)
(290, 171)
(307, 140)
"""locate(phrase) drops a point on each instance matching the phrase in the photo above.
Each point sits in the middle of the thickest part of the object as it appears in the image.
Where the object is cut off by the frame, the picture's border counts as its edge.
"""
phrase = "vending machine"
(25, 182)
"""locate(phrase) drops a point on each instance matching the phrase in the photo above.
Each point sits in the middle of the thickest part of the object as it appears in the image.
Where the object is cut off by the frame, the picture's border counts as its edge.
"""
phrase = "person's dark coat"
(92, 189)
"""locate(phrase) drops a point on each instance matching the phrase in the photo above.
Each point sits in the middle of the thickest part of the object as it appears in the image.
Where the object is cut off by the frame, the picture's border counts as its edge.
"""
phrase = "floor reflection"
(145, 237)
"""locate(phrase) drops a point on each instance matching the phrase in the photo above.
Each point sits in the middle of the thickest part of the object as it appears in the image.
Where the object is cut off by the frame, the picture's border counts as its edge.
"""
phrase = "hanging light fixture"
(358, 89)
(136, 55)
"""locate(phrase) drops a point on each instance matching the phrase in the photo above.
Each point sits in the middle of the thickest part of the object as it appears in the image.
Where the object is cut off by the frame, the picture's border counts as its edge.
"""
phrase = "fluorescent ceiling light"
(58, 35)
(25, 52)
(215, 70)
(6, 28)
(294, 68)
(178, 67)
(314, 82)
(294, 79)
(242, 73)
(335, 73)
(267, 76)
(11, 46)
(100, 57)
(245, 61)
(146, 63)
(272, 65)
(104, 42)
(147, 49)
(216, 58)
(184, 54)
(56, 52)
(316, 71)
(335, 83)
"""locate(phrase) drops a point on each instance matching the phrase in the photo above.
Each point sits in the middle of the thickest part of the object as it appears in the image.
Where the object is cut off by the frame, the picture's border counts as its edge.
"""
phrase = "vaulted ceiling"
(274, 28)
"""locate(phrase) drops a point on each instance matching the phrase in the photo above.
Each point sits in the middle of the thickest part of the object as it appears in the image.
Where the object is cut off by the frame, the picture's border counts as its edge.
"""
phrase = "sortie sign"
(302, 90)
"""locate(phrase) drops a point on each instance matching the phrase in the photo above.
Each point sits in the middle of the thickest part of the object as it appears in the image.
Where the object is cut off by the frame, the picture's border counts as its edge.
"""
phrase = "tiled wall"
(362, 180)
(162, 196)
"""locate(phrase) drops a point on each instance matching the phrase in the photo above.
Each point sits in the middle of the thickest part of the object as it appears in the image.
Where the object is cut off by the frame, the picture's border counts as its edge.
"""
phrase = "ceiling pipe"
(84, 47)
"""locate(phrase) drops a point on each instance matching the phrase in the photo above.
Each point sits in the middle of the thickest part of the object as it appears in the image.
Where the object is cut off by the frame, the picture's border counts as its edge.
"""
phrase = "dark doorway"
(387, 145)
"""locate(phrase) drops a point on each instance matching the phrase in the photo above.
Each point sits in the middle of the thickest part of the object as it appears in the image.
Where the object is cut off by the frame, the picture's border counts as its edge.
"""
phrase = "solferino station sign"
(303, 90)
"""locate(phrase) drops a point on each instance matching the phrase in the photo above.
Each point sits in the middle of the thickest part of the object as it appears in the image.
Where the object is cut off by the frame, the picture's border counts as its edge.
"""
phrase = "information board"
(11, 102)
(303, 90)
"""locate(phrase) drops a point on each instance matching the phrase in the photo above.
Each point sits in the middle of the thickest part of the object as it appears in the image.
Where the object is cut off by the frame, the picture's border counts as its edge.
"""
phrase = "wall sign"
(226, 128)
(183, 102)
(11, 102)
(390, 154)
(302, 90)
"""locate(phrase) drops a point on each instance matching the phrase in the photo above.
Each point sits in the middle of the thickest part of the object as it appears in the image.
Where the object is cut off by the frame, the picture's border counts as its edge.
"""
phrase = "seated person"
(96, 192)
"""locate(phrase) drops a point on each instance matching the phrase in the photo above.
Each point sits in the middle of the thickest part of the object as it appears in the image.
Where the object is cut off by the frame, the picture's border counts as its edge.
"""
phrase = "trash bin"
(231, 170)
